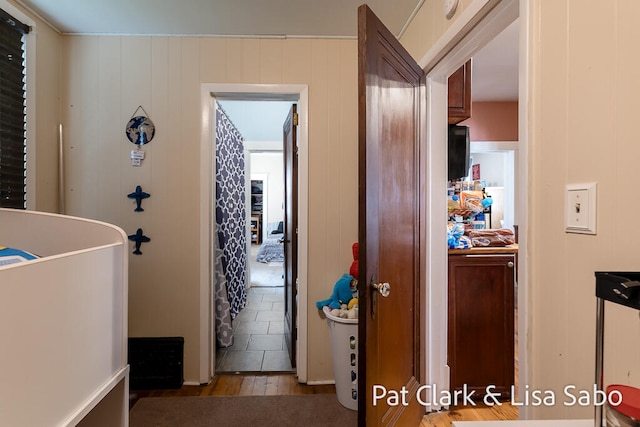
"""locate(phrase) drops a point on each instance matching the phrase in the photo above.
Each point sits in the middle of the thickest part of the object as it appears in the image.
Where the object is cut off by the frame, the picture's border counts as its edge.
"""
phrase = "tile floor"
(259, 344)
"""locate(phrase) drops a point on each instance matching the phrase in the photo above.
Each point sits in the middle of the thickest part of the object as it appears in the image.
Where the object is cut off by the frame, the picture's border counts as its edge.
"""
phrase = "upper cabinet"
(460, 94)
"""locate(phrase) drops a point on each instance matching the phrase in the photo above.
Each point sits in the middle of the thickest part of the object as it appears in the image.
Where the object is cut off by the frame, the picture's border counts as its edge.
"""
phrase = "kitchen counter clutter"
(460, 236)
(468, 202)
(467, 206)
(486, 250)
(525, 423)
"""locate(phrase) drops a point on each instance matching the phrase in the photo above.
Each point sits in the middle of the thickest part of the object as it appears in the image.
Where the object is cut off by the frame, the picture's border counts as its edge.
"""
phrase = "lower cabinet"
(481, 323)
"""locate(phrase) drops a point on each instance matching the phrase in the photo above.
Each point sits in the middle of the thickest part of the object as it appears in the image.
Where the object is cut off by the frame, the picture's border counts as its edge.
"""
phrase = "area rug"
(267, 275)
(310, 410)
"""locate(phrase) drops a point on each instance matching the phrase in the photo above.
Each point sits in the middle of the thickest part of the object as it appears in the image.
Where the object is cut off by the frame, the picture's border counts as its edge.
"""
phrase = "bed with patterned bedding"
(272, 247)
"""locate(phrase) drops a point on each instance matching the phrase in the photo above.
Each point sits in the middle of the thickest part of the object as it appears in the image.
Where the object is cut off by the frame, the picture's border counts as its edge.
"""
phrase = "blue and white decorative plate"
(140, 130)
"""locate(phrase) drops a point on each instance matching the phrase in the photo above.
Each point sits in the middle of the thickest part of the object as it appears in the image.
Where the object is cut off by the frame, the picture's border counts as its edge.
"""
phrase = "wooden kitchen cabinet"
(481, 322)
(460, 94)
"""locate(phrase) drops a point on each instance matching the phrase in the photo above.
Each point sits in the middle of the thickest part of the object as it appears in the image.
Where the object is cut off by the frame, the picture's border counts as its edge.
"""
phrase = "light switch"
(580, 208)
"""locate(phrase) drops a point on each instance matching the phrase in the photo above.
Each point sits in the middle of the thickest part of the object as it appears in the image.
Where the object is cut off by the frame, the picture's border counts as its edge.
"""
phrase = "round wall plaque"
(140, 130)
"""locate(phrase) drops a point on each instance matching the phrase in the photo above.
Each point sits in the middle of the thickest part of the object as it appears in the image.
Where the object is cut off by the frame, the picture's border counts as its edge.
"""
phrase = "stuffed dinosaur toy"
(342, 293)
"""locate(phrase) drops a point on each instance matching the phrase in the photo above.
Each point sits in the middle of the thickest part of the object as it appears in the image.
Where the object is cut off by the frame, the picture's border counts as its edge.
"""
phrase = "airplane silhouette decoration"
(139, 238)
(138, 195)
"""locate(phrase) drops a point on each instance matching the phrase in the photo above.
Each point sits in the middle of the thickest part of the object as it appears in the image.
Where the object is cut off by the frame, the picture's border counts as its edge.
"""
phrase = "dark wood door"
(391, 101)
(290, 151)
(481, 323)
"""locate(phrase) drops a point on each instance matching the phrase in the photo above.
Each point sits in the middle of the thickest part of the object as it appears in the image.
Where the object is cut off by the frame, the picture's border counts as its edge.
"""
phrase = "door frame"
(476, 25)
(209, 92)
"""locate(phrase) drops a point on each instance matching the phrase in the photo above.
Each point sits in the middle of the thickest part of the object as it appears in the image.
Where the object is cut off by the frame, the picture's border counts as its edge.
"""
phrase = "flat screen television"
(458, 153)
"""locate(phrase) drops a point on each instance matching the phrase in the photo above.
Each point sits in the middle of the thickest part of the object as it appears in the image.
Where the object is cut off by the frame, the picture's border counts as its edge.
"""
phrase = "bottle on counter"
(453, 203)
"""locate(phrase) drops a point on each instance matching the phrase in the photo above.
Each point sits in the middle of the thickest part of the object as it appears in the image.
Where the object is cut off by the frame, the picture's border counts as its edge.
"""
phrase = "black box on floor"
(156, 363)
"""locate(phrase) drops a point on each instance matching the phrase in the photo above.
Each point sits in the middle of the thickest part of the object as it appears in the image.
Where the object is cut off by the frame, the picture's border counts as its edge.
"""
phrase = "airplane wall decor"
(139, 195)
(139, 238)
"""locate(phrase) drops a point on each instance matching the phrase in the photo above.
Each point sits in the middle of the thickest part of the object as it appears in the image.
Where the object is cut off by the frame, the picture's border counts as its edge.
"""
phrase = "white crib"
(63, 322)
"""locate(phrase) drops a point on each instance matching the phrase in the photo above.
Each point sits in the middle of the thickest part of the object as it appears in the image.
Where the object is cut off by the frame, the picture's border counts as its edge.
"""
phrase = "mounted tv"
(458, 152)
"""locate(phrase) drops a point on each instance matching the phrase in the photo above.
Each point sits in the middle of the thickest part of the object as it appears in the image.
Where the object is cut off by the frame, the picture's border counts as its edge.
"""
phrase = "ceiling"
(495, 74)
(325, 18)
(258, 120)
(494, 69)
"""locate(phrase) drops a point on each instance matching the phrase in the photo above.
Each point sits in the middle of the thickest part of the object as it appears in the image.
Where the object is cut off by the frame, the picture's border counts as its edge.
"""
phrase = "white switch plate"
(580, 208)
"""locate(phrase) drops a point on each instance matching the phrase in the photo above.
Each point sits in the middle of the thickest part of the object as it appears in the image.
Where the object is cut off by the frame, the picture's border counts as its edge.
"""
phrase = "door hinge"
(295, 119)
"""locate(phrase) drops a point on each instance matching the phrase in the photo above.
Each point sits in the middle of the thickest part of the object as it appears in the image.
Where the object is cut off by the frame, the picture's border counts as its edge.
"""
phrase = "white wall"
(582, 136)
(491, 168)
(105, 78)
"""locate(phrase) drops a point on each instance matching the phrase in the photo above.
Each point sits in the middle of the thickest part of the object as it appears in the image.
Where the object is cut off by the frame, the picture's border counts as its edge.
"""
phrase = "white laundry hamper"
(343, 334)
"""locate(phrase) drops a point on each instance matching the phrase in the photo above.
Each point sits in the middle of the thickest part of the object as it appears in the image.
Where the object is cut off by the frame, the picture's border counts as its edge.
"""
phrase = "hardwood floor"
(286, 384)
(242, 385)
(470, 413)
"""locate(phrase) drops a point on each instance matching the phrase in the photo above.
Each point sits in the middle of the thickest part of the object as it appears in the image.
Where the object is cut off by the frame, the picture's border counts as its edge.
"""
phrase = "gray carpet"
(264, 275)
(267, 275)
(311, 410)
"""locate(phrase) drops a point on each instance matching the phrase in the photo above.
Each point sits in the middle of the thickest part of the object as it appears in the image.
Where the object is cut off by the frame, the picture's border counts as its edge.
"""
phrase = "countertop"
(530, 423)
(488, 250)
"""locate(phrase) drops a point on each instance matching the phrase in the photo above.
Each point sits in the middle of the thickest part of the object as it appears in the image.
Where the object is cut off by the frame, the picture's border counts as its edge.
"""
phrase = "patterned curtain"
(231, 221)
(224, 327)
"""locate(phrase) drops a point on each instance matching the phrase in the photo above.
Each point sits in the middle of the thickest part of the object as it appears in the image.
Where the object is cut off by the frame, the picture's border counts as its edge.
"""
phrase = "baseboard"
(321, 382)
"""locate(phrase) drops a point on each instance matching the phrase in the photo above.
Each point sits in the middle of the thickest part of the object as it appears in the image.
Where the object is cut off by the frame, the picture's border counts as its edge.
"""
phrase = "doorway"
(258, 343)
(210, 94)
(455, 48)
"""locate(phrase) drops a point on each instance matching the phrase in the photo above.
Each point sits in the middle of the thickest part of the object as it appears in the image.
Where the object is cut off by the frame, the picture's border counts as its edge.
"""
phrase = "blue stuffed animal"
(342, 293)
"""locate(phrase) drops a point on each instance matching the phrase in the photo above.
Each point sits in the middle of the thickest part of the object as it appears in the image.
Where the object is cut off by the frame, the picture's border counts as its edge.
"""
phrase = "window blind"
(12, 112)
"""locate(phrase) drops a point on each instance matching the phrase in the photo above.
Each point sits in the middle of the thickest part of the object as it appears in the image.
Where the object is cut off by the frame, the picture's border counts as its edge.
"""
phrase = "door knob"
(510, 264)
(383, 288)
